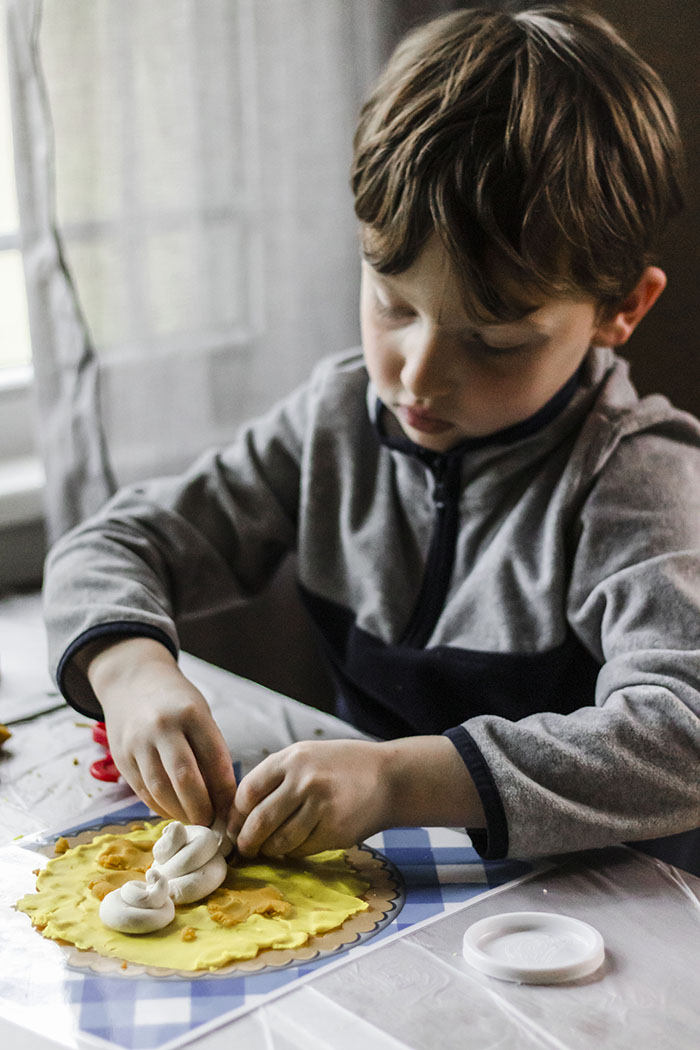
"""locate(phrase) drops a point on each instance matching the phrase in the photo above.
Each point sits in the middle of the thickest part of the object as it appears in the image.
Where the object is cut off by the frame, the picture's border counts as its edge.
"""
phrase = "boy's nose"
(424, 373)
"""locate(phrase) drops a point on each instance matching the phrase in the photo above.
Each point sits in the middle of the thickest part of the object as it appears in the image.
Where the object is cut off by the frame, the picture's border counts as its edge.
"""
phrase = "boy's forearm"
(429, 785)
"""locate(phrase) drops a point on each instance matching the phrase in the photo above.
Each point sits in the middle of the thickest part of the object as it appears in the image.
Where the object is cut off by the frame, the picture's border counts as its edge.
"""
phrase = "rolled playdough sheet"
(262, 906)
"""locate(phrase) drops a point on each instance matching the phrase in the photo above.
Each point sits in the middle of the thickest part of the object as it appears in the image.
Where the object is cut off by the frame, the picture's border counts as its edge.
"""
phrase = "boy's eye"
(489, 350)
(393, 311)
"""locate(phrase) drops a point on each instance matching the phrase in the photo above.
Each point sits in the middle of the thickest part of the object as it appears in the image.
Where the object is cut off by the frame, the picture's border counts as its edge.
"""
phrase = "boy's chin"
(433, 442)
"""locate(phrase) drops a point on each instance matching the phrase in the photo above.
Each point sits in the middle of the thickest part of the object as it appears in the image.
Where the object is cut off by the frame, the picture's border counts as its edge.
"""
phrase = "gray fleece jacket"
(535, 595)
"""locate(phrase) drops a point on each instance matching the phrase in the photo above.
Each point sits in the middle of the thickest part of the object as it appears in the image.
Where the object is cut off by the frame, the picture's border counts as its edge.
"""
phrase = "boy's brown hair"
(538, 140)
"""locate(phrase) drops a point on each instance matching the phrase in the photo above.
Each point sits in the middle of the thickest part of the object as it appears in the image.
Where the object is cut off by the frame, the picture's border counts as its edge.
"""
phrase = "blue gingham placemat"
(441, 871)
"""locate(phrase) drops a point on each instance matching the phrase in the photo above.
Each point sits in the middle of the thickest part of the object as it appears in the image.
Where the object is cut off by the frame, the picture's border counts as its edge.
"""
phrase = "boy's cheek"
(382, 359)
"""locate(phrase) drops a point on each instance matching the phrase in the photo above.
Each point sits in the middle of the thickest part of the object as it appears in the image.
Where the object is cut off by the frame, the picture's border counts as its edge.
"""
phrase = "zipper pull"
(440, 487)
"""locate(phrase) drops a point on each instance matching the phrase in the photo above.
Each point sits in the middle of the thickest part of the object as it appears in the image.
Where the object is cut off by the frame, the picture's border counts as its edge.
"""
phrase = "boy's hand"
(318, 795)
(311, 796)
(162, 735)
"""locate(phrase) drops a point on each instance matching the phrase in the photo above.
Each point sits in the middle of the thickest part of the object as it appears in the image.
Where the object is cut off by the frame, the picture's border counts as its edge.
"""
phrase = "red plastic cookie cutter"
(103, 768)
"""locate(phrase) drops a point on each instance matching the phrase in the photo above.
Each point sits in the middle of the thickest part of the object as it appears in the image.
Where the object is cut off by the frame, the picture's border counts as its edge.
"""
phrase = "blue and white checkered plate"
(427, 871)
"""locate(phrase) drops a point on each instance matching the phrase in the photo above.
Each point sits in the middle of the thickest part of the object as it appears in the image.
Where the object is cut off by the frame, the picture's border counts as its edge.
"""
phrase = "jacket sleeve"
(627, 767)
(169, 549)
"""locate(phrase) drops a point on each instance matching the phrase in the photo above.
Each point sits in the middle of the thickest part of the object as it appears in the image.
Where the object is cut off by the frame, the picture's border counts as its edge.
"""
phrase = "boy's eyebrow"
(525, 319)
(498, 335)
(386, 279)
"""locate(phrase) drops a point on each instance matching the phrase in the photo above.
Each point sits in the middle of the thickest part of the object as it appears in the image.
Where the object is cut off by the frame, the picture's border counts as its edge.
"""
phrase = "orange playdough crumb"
(229, 907)
(62, 846)
(188, 934)
(122, 855)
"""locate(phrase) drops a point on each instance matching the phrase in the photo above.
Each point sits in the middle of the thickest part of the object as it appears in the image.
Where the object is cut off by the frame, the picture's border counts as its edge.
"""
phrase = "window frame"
(21, 474)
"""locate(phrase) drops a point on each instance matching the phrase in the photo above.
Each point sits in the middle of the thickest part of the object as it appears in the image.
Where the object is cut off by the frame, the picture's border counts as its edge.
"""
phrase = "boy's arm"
(175, 548)
(627, 767)
(116, 587)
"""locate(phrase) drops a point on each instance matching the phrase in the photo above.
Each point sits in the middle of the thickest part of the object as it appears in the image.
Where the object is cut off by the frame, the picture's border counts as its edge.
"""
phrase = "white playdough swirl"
(190, 859)
(225, 842)
(139, 907)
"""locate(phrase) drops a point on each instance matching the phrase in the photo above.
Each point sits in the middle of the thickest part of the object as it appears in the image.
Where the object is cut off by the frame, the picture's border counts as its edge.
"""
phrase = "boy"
(498, 541)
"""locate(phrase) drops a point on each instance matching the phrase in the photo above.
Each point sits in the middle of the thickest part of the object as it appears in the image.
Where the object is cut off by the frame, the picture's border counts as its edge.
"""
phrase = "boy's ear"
(624, 318)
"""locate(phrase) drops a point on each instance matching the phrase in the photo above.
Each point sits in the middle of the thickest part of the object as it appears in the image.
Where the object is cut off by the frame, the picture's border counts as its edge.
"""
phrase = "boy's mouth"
(422, 421)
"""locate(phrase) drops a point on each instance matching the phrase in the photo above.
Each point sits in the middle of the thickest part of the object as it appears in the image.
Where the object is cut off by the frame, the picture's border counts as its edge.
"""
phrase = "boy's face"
(446, 378)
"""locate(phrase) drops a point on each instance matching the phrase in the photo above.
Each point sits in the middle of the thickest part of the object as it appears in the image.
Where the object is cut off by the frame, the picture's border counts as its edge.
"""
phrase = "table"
(411, 988)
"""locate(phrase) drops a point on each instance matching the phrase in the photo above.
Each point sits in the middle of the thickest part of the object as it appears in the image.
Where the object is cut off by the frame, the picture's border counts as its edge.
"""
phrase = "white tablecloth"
(413, 990)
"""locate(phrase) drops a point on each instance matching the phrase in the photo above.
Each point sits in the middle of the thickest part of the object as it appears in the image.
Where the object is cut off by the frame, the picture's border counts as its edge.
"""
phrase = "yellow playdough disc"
(261, 905)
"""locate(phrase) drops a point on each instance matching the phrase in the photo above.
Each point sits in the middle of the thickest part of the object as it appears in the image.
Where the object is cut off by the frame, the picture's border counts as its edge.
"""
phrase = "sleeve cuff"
(74, 686)
(490, 843)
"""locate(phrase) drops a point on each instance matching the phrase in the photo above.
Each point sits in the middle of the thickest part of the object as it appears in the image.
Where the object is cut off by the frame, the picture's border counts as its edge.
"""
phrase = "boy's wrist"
(108, 661)
(429, 785)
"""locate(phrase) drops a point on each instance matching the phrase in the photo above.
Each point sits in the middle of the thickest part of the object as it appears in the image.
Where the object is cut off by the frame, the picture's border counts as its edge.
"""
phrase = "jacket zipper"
(447, 472)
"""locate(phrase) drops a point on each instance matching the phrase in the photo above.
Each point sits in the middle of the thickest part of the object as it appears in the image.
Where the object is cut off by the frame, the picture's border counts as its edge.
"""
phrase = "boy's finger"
(215, 763)
(258, 785)
(135, 781)
(264, 820)
(221, 784)
(292, 834)
(319, 840)
(234, 823)
(186, 783)
(161, 797)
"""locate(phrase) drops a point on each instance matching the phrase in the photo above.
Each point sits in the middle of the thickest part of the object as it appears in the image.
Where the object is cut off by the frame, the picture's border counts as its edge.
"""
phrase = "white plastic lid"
(533, 947)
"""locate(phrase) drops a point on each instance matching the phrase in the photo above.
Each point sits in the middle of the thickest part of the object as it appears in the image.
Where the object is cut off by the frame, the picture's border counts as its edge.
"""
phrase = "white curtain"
(187, 224)
(189, 241)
